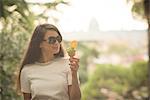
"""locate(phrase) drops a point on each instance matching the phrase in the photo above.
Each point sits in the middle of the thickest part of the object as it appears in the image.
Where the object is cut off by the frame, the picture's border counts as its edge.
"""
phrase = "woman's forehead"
(51, 33)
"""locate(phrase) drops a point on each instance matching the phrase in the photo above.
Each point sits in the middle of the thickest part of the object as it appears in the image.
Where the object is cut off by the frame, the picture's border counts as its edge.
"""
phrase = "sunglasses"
(52, 40)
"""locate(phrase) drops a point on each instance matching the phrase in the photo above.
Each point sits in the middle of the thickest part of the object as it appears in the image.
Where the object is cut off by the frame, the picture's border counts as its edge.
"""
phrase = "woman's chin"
(56, 52)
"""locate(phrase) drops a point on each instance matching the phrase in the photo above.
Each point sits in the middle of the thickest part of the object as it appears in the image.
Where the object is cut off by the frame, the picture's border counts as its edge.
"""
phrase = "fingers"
(74, 67)
(72, 59)
(74, 63)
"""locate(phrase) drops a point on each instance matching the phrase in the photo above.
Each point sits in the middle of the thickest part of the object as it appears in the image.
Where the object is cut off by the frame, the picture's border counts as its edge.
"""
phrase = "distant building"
(93, 26)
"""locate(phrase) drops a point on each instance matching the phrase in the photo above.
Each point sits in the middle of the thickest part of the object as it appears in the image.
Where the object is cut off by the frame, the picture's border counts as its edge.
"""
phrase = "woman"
(45, 74)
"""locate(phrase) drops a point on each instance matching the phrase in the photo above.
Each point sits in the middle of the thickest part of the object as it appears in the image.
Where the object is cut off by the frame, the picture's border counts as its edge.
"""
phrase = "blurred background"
(112, 37)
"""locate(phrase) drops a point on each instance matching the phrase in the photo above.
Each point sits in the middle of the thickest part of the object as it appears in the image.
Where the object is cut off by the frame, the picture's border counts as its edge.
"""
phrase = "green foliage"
(117, 80)
(16, 23)
(88, 54)
(140, 72)
(122, 49)
(12, 40)
(17, 11)
(138, 10)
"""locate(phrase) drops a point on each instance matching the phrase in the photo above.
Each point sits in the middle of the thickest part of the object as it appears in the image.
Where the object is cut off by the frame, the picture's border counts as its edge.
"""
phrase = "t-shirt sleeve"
(24, 81)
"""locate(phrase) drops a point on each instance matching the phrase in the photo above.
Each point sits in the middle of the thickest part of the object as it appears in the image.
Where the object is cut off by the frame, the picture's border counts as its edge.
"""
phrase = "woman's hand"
(74, 64)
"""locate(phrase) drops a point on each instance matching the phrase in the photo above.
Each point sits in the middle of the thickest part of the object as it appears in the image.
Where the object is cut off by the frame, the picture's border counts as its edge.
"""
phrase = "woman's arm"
(74, 89)
(27, 96)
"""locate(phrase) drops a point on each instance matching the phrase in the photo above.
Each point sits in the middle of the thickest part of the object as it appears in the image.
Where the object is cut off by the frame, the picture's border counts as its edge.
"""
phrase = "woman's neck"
(46, 57)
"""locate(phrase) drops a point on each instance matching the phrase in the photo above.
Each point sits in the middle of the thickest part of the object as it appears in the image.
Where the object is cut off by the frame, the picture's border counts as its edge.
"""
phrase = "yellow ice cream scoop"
(74, 44)
(72, 49)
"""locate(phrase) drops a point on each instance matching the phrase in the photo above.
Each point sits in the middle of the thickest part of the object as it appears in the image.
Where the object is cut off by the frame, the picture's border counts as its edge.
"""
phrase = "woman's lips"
(55, 48)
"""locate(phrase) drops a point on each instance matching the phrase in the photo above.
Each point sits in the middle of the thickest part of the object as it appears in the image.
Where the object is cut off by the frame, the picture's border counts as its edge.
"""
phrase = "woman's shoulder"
(28, 67)
(64, 59)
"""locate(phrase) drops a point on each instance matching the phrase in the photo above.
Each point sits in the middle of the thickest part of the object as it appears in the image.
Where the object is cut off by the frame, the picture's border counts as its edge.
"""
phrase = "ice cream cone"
(72, 49)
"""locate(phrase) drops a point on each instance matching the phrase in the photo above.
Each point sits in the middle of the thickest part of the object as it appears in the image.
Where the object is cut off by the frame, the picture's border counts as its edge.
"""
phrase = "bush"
(116, 81)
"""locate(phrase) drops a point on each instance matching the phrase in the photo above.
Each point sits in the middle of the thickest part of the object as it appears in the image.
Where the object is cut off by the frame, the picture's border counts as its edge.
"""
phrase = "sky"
(110, 15)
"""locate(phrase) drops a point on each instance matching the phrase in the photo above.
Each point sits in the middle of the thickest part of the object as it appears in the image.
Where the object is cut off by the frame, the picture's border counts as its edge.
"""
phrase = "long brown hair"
(33, 52)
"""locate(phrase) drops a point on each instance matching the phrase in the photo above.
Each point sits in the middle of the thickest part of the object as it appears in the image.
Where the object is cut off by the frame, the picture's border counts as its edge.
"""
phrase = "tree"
(117, 82)
(142, 9)
(16, 25)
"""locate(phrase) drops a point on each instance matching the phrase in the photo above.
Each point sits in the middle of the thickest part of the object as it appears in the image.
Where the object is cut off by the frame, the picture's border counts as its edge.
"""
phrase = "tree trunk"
(147, 14)
(149, 59)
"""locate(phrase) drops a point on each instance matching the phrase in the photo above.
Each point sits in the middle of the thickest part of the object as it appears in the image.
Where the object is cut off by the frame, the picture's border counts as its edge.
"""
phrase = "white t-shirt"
(48, 81)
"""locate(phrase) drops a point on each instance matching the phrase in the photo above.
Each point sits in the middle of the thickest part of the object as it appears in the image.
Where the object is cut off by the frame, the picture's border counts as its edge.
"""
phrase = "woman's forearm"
(75, 93)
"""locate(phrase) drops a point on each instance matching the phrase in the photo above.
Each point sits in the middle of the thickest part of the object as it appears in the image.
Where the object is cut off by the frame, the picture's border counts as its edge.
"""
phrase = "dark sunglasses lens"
(51, 40)
(59, 39)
